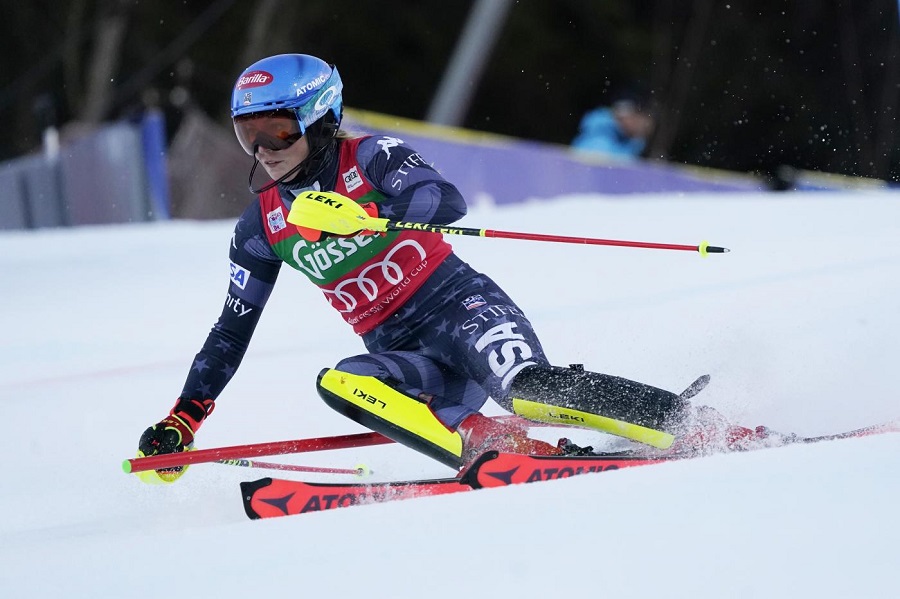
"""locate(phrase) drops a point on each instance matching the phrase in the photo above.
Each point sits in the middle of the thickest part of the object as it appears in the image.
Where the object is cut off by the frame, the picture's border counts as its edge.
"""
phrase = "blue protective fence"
(115, 174)
(119, 173)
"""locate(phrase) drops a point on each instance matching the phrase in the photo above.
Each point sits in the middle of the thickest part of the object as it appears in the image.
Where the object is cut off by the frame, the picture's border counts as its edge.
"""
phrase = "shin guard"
(385, 409)
(581, 394)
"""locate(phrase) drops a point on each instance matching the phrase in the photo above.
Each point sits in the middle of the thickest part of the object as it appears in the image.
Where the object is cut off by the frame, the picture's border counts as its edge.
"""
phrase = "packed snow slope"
(799, 327)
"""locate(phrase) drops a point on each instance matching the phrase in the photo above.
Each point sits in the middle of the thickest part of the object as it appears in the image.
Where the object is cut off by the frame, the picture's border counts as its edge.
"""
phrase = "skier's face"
(275, 138)
(279, 162)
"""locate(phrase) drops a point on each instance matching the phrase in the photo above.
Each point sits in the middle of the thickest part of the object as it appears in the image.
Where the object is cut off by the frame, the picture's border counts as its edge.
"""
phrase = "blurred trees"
(747, 86)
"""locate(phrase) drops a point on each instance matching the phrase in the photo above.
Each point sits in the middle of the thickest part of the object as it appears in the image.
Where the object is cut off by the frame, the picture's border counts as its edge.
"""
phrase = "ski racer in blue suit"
(436, 331)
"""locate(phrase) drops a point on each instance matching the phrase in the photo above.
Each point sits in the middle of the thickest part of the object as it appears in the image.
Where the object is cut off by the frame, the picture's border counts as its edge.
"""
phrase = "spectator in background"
(619, 130)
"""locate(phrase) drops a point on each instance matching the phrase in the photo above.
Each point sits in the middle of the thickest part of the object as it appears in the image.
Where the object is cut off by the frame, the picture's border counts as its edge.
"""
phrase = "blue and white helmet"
(307, 85)
(289, 84)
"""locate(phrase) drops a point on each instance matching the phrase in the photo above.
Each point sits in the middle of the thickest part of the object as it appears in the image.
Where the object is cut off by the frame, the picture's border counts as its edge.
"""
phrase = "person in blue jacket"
(620, 130)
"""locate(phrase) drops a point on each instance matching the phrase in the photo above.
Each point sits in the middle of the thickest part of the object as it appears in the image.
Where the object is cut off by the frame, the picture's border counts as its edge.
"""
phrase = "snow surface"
(799, 327)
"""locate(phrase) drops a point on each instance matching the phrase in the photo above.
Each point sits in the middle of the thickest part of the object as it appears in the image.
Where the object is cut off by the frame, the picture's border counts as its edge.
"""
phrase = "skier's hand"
(173, 434)
(371, 209)
(314, 235)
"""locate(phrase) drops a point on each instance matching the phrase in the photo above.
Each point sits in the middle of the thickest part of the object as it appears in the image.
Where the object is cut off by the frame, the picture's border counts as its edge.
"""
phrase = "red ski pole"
(332, 212)
(244, 463)
(238, 452)
(200, 456)
(703, 249)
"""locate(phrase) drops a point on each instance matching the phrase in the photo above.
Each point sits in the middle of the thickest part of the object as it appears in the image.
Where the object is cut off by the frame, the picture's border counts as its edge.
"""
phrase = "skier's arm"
(415, 191)
(253, 272)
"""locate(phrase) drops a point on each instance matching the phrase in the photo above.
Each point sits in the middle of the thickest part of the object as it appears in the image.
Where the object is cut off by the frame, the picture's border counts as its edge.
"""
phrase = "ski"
(495, 469)
(695, 387)
(272, 497)
(876, 429)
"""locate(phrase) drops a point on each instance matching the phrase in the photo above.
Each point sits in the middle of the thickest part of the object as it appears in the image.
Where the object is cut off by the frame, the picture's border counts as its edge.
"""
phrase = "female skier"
(441, 338)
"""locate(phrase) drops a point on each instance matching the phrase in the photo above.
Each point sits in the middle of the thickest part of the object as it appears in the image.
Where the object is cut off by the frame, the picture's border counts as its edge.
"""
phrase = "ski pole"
(704, 248)
(244, 463)
(200, 456)
(332, 212)
(238, 452)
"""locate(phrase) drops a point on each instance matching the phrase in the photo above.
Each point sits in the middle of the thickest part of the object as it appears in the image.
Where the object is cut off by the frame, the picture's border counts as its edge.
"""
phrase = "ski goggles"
(274, 130)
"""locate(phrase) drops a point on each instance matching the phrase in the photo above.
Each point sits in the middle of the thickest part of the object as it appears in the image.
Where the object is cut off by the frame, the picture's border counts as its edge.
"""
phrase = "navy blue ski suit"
(458, 337)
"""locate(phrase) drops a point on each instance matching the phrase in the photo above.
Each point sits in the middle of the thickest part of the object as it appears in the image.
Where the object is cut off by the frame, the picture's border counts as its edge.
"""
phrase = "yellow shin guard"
(384, 409)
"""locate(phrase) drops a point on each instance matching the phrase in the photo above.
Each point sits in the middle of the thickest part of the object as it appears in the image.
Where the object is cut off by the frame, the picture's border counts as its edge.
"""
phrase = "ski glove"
(173, 434)
(314, 235)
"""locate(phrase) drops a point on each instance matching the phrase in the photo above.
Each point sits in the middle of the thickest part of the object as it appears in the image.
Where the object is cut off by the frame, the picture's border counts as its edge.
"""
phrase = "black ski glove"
(173, 434)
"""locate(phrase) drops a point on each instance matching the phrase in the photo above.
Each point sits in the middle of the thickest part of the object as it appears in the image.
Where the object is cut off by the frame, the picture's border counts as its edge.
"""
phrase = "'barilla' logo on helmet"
(254, 79)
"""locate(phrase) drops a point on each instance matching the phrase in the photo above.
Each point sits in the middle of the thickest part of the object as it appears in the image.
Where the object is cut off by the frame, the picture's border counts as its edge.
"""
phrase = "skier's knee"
(362, 365)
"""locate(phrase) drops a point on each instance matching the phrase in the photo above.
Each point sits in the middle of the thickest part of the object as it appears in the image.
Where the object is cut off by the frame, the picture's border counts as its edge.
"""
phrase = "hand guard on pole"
(341, 216)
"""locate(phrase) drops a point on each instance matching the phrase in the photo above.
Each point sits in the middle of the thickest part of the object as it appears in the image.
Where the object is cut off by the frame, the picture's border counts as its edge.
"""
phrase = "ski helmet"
(304, 91)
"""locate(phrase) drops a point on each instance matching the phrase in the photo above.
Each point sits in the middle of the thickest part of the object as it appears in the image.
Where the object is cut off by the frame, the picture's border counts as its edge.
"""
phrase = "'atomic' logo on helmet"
(312, 84)
(254, 79)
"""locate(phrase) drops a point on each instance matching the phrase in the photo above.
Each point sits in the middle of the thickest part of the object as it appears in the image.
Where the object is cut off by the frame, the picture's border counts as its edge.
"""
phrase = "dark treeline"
(744, 85)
